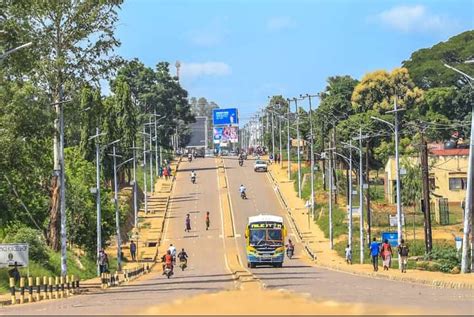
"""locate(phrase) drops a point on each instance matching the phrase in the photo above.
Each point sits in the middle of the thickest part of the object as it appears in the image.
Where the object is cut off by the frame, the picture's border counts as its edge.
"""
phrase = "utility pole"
(273, 137)
(331, 243)
(144, 171)
(350, 195)
(96, 190)
(152, 187)
(117, 217)
(298, 148)
(135, 186)
(361, 199)
(156, 144)
(288, 147)
(426, 193)
(279, 125)
(313, 198)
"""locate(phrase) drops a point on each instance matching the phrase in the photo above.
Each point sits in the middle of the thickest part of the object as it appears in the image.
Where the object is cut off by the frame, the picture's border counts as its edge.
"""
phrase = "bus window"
(274, 235)
(257, 236)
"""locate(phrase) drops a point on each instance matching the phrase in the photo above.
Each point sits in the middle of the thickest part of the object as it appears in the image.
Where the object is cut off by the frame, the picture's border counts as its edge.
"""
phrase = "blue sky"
(237, 53)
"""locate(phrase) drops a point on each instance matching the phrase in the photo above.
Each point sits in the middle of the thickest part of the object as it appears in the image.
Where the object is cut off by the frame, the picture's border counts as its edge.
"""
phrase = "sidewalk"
(317, 246)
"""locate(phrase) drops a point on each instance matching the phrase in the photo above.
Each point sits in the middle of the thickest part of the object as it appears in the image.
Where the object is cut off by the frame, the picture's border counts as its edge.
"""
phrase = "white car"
(260, 165)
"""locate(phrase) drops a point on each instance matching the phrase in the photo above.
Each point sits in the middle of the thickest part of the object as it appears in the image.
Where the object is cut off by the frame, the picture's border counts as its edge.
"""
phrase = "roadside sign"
(458, 241)
(12, 253)
(394, 221)
(225, 116)
(392, 238)
(365, 186)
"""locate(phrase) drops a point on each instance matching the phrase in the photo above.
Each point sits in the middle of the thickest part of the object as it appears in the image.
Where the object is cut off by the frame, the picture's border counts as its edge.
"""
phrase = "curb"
(311, 254)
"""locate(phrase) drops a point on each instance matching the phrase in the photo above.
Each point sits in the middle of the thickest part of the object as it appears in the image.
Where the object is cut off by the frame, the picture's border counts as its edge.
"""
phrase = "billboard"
(226, 135)
(14, 253)
(198, 131)
(217, 135)
(230, 134)
(225, 116)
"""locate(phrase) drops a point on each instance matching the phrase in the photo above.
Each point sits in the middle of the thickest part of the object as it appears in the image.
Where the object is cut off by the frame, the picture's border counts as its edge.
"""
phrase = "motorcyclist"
(290, 245)
(241, 159)
(183, 256)
(208, 221)
(242, 191)
(190, 156)
(168, 260)
(172, 251)
(193, 175)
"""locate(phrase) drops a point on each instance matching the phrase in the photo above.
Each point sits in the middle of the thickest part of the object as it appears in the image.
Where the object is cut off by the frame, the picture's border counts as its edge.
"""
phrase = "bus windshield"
(265, 236)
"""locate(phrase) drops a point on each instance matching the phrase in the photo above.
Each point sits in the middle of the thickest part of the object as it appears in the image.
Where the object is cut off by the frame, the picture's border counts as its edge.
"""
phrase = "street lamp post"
(288, 143)
(144, 171)
(312, 153)
(97, 195)
(298, 148)
(117, 218)
(152, 187)
(397, 168)
(469, 205)
(5, 54)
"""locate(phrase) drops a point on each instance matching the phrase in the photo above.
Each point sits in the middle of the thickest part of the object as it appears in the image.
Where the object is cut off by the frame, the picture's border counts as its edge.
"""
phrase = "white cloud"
(194, 70)
(280, 23)
(414, 18)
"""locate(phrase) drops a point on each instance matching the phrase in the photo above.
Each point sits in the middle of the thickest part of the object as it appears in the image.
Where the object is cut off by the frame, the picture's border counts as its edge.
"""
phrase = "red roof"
(449, 152)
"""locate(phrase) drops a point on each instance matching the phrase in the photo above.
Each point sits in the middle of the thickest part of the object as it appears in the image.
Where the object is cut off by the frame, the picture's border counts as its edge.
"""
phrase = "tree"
(91, 113)
(73, 43)
(426, 65)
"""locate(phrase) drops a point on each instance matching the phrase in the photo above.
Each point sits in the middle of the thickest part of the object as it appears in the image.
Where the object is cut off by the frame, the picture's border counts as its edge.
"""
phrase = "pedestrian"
(169, 170)
(374, 253)
(187, 223)
(403, 251)
(165, 173)
(133, 250)
(386, 254)
(14, 273)
(103, 261)
(348, 255)
(160, 171)
(208, 221)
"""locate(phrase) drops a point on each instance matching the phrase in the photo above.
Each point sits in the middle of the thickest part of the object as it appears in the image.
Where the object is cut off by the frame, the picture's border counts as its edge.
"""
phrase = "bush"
(34, 238)
(446, 257)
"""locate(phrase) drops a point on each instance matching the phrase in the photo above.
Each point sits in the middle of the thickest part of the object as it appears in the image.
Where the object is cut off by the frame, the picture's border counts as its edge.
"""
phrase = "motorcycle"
(290, 252)
(183, 264)
(193, 179)
(168, 271)
(190, 158)
(243, 195)
(241, 162)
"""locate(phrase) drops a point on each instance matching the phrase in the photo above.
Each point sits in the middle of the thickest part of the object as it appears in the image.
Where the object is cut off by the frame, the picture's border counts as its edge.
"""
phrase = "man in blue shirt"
(374, 253)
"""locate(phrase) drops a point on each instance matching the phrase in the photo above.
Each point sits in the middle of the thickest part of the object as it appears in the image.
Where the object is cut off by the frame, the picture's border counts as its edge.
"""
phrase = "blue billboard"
(392, 238)
(225, 116)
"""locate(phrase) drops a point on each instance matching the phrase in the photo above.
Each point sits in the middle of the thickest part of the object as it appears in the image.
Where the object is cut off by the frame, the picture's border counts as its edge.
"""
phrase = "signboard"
(294, 143)
(266, 225)
(198, 131)
(230, 134)
(355, 210)
(392, 238)
(12, 253)
(217, 135)
(225, 116)
(394, 222)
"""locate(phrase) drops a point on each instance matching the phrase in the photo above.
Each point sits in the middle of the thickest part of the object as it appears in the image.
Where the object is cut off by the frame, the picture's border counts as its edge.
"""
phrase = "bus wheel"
(251, 265)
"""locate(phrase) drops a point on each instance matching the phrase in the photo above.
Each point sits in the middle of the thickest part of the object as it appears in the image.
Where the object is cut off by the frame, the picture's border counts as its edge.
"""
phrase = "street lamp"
(144, 170)
(395, 127)
(469, 205)
(97, 194)
(5, 54)
(117, 218)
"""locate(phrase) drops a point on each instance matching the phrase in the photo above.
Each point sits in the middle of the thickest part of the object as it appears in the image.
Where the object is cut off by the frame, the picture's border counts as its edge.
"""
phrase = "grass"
(52, 267)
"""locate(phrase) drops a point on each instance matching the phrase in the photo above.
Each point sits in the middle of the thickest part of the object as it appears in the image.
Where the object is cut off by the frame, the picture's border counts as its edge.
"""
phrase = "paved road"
(206, 272)
(299, 276)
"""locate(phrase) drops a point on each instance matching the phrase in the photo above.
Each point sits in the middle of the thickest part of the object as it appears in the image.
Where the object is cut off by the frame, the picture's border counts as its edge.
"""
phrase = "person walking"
(403, 251)
(208, 221)
(187, 224)
(133, 250)
(374, 253)
(348, 252)
(165, 173)
(103, 261)
(386, 255)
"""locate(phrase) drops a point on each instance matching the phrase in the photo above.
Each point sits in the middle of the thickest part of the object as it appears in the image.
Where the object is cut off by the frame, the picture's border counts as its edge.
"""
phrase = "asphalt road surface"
(206, 270)
(299, 276)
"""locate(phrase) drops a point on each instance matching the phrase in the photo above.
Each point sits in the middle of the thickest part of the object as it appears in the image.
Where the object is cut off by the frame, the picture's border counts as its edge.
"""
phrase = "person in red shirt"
(168, 259)
(208, 221)
(386, 255)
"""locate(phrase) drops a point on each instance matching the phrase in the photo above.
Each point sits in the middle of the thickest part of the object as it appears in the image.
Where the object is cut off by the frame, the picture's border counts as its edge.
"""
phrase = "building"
(447, 172)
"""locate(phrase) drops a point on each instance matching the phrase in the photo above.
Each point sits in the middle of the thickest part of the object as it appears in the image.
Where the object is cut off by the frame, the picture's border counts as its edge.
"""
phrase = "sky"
(237, 53)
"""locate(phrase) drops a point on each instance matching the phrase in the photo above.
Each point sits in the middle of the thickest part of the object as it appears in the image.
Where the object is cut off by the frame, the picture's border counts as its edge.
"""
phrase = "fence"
(116, 279)
(38, 288)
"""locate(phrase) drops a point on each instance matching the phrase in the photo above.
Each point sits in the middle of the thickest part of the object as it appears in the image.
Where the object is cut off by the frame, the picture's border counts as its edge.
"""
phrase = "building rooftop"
(449, 152)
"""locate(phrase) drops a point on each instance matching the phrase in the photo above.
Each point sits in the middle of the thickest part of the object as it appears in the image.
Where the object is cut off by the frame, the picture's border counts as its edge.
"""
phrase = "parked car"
(260, 165)
(224, 153)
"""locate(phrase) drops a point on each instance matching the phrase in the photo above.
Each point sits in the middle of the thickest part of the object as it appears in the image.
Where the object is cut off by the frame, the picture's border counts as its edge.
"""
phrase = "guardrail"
(116, 279)
(44, 288)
